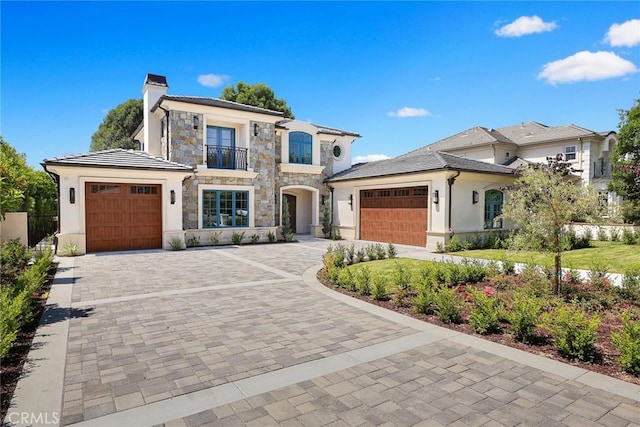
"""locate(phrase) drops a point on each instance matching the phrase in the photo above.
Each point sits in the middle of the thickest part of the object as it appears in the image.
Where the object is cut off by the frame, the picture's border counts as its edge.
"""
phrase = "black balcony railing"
(226, 158)
(601, 169)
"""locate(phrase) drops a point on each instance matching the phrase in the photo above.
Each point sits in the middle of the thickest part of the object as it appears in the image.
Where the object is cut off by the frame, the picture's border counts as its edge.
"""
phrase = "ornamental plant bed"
(593, 299)
(13, 364)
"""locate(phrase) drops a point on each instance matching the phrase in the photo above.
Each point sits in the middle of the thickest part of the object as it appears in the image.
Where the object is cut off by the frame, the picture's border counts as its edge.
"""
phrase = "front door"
(291, 201)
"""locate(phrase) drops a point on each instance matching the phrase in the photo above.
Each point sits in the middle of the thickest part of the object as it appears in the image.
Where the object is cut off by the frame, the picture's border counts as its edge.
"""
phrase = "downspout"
(166, 115)
(450, 181)
(56, 179)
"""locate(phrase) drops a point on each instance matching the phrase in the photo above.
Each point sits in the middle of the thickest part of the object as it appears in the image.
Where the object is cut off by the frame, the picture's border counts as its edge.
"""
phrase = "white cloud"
(625, 34)
(212, 80)
(369, 158)
(586, 66)
(409, 112)
(526, 25)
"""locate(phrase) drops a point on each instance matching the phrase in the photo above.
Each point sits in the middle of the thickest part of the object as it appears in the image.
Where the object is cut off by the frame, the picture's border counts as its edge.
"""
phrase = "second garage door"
(123, 216)
(396, 215)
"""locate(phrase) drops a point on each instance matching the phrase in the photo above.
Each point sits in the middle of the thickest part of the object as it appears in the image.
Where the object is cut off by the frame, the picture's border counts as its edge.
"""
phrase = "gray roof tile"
(118, 159)
(216, 102)
(422, 162)
(321, 129)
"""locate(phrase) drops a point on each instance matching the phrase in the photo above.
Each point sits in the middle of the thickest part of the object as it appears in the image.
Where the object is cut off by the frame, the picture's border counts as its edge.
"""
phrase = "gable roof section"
(118, 159)
(424, 162)
(475, 137)
(321, 129)
(216, 102)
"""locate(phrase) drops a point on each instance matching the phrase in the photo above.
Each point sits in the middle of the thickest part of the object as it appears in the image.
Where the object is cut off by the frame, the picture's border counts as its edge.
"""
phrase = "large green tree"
(117, 127)
(544, 200)
(258, 95)
(22, 188)
(625, 179)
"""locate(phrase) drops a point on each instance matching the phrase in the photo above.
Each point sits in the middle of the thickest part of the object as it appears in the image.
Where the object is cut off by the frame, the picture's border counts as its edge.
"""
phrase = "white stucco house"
(204, 165)
(207, 165)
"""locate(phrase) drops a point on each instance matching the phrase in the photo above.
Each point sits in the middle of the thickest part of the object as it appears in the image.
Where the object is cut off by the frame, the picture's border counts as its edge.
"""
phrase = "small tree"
(326, 218)
(286, 217)
(117, 127)
(543, 202)
(258, 95)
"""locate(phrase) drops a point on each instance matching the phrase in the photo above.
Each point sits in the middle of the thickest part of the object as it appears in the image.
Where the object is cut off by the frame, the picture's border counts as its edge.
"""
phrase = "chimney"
(154, 87)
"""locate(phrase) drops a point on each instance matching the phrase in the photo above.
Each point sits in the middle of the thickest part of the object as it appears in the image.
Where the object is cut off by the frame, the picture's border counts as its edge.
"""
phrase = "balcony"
(226, 158)
(601, 169)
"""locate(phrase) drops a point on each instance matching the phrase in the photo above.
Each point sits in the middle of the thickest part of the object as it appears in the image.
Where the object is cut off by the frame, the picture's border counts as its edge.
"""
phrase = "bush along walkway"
(592, 323)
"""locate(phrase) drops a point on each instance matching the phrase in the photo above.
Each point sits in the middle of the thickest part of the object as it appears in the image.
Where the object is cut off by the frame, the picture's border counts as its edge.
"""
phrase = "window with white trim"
(570, 152)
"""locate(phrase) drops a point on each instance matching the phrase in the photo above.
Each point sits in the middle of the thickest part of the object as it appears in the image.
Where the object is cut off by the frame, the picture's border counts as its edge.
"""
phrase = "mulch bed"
(12, 364)
(606, 362)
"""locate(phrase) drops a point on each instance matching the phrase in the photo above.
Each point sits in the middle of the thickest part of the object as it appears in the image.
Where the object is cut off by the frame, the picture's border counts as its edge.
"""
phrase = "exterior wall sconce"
(475, 197)
(256, 129)
(173, 197)
(72, 195)
(436, 197)
(196, 122)
(351, 201)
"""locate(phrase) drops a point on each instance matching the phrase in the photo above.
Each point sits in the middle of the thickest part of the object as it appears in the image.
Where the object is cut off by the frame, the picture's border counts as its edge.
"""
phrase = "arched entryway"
(303, 207)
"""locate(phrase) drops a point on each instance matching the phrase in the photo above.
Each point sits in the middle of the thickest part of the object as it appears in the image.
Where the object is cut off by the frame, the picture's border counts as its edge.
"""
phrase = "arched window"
(493, 200)
(300, 148)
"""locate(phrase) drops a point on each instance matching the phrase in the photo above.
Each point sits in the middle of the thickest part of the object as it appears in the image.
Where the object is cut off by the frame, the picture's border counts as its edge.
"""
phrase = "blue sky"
(402, 74)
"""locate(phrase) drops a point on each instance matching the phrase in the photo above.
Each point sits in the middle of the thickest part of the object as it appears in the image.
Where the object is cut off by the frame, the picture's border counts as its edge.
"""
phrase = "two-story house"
(205, 165)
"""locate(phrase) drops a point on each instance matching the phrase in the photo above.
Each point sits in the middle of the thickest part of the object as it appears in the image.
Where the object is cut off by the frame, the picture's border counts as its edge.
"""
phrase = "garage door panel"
(396, 215)
(123, 216)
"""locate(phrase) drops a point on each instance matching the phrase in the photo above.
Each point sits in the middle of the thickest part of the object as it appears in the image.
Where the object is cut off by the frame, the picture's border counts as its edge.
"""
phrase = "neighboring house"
(533, 142)
(453, 186)
(205, 165)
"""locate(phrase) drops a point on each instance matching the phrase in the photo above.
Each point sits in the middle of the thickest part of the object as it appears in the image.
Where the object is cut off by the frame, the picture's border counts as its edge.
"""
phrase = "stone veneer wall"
(186, 142)
(262, 158)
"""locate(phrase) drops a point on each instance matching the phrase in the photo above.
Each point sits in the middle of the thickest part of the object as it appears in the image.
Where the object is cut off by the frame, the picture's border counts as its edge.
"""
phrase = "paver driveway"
(245, 336)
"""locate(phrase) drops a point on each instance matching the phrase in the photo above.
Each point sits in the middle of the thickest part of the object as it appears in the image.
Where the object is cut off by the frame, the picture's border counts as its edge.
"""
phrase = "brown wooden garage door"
(123, 216)
(396, 215)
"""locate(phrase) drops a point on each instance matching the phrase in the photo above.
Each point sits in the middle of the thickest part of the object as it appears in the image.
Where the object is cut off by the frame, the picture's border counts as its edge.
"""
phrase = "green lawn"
(617, 256)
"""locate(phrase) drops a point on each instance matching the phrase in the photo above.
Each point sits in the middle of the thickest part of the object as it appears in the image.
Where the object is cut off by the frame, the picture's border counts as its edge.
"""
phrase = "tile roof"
(321, 129)
(216, 102)
(422, 162)
(118, 159)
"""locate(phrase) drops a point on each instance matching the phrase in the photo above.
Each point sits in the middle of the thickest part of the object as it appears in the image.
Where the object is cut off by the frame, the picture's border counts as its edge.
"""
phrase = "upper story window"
(221, 149)
(570, 153)
(300, 148)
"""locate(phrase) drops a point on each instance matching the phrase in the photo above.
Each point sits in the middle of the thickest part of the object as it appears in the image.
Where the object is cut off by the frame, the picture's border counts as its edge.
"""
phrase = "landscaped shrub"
(71, 249)
(449, 305)
(614, 234)
(587, 234)
(486, 311)
(628, 237)
(290, 237)
(454, 245)
(424, 301)
(371, 252)
(441, 273)
(14, 257)
(599, 274)
(381, 253)
(508, 266)
(350, 254)
(271, 236)
(628, 343)
(214, 237)
(572, 241)
(176, 243)
(524, 315)
(255, 238)
(16, 307)
(378, 288)
(456, 273)
(474, 270)
(401, 276)
(574, 332)
(346, 279)
(360, 255)
(363, 280)
(391, 251)
(629, 288)
(237, 238)
(477, 241)
(602, 234)
(193, 240)
(440, 248)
